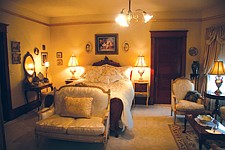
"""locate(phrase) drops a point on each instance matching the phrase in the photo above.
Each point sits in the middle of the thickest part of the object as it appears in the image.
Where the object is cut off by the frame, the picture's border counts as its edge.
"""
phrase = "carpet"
(189, 140)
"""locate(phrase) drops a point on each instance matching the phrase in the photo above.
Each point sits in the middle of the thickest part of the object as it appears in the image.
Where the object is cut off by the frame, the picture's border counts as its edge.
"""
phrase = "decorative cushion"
(124, 72)
(110, 76)
(76, 107)
(82, 126)
(192, 96)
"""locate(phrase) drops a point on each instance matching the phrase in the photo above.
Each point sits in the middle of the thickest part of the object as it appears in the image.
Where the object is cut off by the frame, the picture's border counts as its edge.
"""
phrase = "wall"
(30, 34)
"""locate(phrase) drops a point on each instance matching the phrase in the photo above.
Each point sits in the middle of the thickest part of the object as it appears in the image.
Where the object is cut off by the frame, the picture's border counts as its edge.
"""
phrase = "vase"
(195, 67)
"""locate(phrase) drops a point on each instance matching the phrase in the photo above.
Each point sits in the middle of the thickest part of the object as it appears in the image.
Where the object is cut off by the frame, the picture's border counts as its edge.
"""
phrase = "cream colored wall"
(30, 35)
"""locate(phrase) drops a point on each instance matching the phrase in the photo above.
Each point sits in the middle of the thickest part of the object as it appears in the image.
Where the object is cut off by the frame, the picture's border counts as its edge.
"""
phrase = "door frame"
(162, 34)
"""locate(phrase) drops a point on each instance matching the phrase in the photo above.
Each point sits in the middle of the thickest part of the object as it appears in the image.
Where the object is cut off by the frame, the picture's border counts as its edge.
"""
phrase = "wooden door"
(168, 61)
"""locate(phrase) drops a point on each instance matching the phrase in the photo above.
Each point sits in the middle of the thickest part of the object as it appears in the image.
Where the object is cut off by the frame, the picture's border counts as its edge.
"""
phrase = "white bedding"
(122, 89)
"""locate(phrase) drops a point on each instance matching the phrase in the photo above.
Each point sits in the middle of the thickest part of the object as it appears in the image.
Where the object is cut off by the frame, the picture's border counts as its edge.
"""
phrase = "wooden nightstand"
(141, 89)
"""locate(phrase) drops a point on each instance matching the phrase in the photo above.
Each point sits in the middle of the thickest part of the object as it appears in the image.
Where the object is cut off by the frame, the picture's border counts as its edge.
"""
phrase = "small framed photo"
(58, 54)
(106, 44)
(59, 62)
(44, 58)
(16, 58)
(15, 46)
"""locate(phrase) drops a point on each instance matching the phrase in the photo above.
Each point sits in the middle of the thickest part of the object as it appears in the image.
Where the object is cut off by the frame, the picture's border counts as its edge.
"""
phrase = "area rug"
(189, 140)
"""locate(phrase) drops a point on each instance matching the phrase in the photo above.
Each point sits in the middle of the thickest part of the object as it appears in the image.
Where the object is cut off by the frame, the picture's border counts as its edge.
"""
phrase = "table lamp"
(141, 64)
(72, 64)
(218, 69)
(46, 68)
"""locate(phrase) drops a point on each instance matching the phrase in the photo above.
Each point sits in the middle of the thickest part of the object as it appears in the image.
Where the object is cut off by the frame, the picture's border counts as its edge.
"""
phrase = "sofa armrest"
(46, 112)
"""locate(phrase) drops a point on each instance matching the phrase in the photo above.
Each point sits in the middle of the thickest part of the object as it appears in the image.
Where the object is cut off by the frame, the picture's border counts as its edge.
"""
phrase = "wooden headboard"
(106, 61)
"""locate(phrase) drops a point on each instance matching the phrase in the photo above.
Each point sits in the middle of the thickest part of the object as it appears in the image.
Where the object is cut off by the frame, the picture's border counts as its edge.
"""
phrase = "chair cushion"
(185, 105)
(192, 96)
(76, 107)
(83, 126)
(54, 124)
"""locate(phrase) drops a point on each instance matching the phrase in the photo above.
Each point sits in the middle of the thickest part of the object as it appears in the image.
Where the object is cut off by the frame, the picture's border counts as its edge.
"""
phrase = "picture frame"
(44, 58)
(58, 54)
(106, 44)
(16, 58)
(15, 46)
(59, 62)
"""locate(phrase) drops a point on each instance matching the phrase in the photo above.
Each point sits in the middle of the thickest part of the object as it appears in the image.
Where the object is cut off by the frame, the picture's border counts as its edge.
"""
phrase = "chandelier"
(124, 18)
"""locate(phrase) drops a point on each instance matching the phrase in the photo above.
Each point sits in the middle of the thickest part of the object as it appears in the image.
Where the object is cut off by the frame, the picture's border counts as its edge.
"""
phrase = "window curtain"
(214, 39)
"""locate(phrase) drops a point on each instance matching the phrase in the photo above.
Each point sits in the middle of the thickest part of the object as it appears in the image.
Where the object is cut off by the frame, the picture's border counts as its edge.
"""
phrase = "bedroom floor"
(150, 131)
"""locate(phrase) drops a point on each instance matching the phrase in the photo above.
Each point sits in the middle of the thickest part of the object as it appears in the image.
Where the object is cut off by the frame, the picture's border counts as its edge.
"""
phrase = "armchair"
(179, 105)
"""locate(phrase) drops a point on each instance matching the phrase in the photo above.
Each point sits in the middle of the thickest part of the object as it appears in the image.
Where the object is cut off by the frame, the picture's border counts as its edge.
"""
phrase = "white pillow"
(92, 73)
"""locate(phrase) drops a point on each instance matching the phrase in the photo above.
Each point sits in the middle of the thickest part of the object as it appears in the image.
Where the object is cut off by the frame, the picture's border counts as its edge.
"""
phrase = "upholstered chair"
(184, 98)
(222, 113)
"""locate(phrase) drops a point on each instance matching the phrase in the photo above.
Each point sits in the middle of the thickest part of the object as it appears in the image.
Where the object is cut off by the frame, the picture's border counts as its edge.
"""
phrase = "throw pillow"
(76, 107)
(192, 96)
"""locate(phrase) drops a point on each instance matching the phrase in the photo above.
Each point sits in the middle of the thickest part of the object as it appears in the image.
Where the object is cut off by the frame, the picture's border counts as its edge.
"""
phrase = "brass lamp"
(218, 69)
(72, 64)
(141, 64)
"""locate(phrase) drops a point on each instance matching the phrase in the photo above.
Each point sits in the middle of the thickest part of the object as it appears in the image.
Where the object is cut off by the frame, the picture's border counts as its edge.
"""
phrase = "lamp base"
(218, 92)
(73, 78)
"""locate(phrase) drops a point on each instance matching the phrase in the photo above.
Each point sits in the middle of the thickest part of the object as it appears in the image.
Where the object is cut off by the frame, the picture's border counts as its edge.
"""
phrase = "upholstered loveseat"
(79, 113)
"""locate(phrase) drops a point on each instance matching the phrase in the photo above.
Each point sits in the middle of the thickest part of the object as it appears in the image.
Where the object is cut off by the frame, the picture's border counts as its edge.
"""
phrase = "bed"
(111, 75)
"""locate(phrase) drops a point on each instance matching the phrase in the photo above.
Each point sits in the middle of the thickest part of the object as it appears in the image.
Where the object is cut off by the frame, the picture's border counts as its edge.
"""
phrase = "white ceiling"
(60, 8)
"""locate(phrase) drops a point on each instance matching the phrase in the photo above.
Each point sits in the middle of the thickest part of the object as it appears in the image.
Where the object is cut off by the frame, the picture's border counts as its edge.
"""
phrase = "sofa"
(79, 113)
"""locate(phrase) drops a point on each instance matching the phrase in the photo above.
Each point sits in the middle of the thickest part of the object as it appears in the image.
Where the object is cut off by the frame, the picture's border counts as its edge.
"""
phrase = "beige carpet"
(150, 131)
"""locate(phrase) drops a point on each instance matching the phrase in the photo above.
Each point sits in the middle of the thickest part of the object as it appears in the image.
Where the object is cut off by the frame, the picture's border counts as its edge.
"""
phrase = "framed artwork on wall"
(44, 58)
(15, 46)
(106, 44)
(59, 62)
(58, 54)
(16, 58)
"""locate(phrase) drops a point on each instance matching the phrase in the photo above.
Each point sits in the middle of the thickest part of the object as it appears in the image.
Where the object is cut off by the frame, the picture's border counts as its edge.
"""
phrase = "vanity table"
(32, 83)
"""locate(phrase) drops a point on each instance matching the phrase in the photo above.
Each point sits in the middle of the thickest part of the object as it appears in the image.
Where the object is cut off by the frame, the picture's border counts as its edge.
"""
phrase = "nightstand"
(141, 89)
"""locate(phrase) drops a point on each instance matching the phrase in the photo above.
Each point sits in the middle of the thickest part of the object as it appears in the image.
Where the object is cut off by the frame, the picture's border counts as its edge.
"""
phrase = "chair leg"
(174, 118)
(171, 113)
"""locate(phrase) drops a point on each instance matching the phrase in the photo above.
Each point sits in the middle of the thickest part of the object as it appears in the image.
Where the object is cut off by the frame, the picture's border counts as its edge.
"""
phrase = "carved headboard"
(106, 61)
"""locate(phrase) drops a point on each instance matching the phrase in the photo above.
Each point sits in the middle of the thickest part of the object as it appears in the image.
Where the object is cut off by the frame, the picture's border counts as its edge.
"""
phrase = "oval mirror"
(28, 65)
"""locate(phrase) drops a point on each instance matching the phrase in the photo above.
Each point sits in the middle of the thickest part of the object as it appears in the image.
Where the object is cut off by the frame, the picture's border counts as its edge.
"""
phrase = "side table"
(217, 97)
(141, 89)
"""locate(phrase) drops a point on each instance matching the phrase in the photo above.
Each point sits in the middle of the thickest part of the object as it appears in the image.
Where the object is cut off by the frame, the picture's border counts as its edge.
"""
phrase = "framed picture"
(16, 58)
(58, 54)
(44, 58)
(59, 62)
(106, 43)
(15, 46)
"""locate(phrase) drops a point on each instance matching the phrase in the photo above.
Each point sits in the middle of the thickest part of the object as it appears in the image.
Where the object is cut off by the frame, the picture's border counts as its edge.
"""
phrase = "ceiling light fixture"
(124, 19)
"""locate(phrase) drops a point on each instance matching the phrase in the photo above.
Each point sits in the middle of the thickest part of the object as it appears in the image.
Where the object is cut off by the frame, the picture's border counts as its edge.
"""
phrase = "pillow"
(110, 75)
(76, 107)
(92, 73)
(192, 96)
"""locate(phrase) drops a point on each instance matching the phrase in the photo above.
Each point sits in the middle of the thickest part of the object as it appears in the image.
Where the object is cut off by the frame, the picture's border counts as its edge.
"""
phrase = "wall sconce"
(141, 64)
(46, 68)
(218, 69)
(72, 64)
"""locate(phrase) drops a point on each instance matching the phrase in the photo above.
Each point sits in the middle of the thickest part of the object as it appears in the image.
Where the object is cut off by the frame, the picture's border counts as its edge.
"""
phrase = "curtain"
(214, 39)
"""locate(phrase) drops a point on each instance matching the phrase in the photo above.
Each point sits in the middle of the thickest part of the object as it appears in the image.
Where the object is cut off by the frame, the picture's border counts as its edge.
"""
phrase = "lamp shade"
(73, 61)
(140, 62)
(218, 68)
(46, 64)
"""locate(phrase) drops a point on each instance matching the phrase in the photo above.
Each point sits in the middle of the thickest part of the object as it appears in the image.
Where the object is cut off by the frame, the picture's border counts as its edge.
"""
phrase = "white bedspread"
(123, 90)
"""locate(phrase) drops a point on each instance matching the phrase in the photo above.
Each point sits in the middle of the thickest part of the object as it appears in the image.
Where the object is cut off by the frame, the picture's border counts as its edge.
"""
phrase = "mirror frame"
(24, 68)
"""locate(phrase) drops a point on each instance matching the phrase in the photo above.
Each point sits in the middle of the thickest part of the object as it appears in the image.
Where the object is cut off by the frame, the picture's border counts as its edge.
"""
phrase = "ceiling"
(60, 8)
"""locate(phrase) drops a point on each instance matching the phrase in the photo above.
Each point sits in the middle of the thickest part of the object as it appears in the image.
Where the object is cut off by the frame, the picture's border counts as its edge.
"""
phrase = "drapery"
(214, 39)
